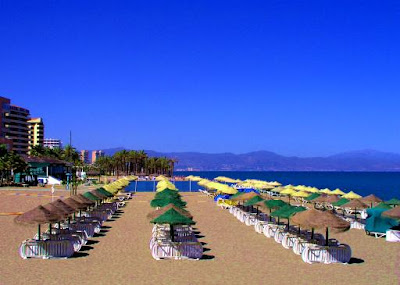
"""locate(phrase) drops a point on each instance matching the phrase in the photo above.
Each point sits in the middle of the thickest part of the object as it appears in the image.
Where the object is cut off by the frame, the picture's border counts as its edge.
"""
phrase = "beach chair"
(279, 234)
(356, 225)
(249, 219)
(393, 235)
(327, 254)
(76, 240)
(177, 250)
(288, 240)
(46, 249)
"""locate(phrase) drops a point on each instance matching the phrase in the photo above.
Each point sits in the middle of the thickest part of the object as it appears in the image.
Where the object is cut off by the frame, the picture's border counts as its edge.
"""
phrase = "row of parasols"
(172, 234)
(226, 185)
(298, 231)
(70, 221)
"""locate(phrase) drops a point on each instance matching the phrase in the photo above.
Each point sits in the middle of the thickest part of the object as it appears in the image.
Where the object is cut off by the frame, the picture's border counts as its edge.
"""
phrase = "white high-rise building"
(52, 143)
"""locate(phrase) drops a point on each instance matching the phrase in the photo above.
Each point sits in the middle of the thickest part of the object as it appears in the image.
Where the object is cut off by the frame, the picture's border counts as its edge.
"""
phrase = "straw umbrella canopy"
(371, 199)
(253, 201)
(315, 219)
(325, 191)
(99, 195)
(289, 192)
(38, 215)
(354, 205)
(332, 199)
(287, 211)
(59, 211)
(237, 195)
(60, 204)
(352, 195)
(337, 191)
(91, 196)
(245, 196)
(394, 201)
(301, 194)
(83, 200)
(74, 204)
(273, 204)
(393, 213)
(167, 194)
(382, 205)
(104, 192)
(159, 212)
(164, 202)
(341, 202)
(327, 199)
(312, 197)
(172, 217)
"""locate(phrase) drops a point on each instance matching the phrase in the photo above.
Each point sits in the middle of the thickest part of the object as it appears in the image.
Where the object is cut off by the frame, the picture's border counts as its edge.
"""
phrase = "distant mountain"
(111, 151)
(364, 160)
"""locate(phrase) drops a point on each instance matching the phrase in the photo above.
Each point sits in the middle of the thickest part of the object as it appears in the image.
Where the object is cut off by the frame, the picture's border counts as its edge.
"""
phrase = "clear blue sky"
(295, 77)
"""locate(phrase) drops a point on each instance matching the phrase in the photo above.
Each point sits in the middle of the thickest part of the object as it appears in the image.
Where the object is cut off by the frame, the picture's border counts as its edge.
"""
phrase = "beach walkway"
(235, 254)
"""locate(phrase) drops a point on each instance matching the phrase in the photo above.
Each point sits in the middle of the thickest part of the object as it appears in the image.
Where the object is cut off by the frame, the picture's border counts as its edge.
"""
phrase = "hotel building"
(85, 156)
(36, 132)
(52, 143)
(96, 154)
(14, 131)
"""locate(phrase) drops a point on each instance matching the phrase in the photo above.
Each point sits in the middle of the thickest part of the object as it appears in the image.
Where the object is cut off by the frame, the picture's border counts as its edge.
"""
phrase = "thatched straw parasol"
(245, 196)
(172, 217)
(321, 199)
(83, 200)
(164, 202)
(98, 194)
(370, 199)
(54, 209)
(393, 201)
(393, 213)
(354, 205)
(74, 204)
(38, 215)
(315, 219)
(60, 204)
(159, 212)
(332, 199)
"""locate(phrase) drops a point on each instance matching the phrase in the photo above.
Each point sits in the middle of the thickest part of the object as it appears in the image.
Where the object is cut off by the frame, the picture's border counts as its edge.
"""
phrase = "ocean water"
(385, 185)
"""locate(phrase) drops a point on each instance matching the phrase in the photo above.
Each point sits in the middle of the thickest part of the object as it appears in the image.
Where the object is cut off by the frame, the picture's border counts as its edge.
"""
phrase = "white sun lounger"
(393, 236)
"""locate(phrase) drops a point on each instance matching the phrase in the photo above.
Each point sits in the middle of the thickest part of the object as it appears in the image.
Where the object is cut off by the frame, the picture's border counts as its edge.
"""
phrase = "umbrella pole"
(327, 236)
(312, 233)
(355, 214)
(50, 228)
(171, 230)
(38, 231)
(270, 218)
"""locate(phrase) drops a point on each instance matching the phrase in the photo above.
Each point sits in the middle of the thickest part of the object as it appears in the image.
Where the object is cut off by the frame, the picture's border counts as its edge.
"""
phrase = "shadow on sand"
(355, 260)
(79, 254)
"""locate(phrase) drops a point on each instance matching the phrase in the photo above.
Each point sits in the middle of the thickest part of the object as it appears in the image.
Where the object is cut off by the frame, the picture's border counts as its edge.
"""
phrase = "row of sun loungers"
(68, 237)
(184, 246)
(312, 250)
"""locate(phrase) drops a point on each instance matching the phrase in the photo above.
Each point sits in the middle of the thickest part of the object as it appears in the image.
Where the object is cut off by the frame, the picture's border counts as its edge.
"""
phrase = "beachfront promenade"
(235, 253)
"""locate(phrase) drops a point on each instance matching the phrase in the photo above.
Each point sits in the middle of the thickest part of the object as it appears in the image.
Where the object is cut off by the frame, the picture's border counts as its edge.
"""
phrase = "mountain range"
(363, 160)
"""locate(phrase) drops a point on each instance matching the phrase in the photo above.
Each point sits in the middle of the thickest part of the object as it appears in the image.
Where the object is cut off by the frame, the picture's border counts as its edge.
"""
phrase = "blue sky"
(295, 77)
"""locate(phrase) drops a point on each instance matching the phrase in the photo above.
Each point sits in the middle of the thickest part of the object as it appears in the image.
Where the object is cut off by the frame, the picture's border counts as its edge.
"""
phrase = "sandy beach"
(235, 253)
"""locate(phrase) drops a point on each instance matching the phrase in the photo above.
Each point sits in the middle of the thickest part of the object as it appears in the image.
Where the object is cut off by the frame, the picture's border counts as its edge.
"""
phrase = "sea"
(385, 185)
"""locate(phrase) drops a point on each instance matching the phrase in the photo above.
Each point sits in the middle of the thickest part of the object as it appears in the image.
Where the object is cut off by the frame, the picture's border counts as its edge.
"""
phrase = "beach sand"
(235, 253)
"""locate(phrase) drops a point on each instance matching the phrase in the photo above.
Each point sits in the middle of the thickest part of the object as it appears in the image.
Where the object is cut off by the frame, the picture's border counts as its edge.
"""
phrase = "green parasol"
(172, 217)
